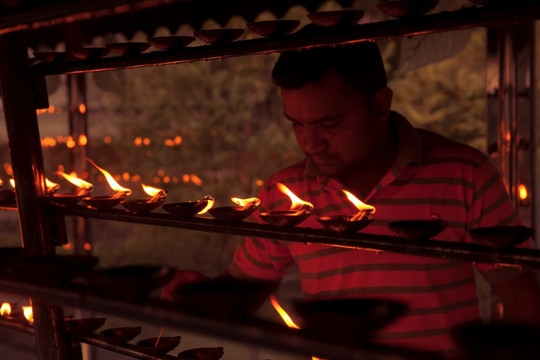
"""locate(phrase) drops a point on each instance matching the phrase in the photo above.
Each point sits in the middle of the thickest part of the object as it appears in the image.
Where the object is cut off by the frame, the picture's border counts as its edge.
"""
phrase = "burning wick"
(51, 186)
(364, 209)
(246, 203)
(85, 187)
(157, 194)
(5, 309)
(297, 204)
(286, 318)
(12, 183)
(208, 205)
(28, 314)
(120, 191)
(159, 337)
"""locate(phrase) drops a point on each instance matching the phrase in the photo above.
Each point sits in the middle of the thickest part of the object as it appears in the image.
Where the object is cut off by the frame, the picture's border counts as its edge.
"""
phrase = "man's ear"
(381, 102)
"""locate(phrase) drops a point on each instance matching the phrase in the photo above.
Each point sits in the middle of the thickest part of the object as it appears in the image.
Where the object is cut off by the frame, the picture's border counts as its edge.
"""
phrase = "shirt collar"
(409, 146)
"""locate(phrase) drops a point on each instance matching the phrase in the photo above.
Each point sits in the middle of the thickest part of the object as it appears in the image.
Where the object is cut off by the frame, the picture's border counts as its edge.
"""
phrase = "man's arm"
(521, 298)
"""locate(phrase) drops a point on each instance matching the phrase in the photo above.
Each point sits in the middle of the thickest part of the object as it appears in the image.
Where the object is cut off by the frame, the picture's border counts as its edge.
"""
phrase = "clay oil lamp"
(224, 298)
(242, 210)
(218, 36)
(272, 28)
(106, 202)
(500, 237)
(170, 42)
(84, 327)
(350, 223)
(300, 211)
(336, 17)
(140, 206)
(131, 282)
(120, 335)
(347, 321)
(207, 353)
(71, 199)
(189, 209)
(418, 230)
(158, 346)
(401, 8)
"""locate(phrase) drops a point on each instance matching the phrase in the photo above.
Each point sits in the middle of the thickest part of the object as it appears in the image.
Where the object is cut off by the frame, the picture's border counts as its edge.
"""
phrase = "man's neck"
(362, 179)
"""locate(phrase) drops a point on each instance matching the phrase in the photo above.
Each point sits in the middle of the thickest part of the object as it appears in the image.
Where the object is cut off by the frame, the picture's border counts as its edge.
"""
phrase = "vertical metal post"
(19, 97)
(78, 127)
(510, 90)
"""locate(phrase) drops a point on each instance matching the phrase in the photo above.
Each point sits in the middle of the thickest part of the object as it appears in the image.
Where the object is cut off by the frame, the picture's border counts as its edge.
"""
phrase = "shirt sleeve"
(491, 206)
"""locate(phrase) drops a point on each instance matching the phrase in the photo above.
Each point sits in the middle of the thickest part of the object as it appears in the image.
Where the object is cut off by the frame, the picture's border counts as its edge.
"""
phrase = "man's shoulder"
(436, 146)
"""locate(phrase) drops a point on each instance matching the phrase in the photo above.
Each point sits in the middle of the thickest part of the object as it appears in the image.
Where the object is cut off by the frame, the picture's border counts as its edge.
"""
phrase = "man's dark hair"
(359, 64)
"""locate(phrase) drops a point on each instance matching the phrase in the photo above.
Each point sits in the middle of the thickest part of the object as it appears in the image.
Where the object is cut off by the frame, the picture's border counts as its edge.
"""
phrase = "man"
(339, 106)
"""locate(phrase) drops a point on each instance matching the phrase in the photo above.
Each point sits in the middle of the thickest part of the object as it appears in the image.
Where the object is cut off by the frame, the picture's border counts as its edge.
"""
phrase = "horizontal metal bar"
(429, 248)
(409, 26)
(255, 332)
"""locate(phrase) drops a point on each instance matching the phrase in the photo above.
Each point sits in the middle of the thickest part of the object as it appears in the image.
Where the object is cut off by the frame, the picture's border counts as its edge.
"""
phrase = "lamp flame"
(12, 182)
(208, 205)
(51, 186)
(286, 318)
(297, 203)
(76, 181)
(112, 183)
(363, 209)
(155, 193)
(5, 309)
(522, 192)
(246, 203)
(28, 314)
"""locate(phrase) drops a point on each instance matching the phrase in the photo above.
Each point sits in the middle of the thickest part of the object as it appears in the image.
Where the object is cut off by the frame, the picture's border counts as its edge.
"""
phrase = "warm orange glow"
(70, 143)
(48, 141)
(178, 140)
(8, 169)
(137, 141)
(107, 139)
(50, 110)
(259, 182)
(51, 186)
(166, 179)
(522, 192)
(1, 182)
(161, 172)
(5, 309)
(286, 318)
(208, 205)
(28, 313)
(185, 178)
(126, 176)
(68, 246)
(76, 181)
(83, 140)
(87, 246)
(12, 183)
(195, 179)
(243, 202)
(82, 108)
(297, 203)
(169, 142)
(146, 141)
(112, 183)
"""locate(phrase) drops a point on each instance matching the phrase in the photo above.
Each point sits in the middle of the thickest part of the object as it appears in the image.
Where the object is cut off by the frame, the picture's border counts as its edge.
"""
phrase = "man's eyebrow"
(322, 119)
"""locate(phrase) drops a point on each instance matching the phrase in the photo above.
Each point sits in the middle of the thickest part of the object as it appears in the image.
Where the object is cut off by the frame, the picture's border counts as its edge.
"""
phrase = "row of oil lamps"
(299, 211)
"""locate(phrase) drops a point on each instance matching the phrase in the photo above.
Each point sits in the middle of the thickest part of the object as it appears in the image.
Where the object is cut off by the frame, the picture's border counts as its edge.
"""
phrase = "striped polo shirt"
(432, 177)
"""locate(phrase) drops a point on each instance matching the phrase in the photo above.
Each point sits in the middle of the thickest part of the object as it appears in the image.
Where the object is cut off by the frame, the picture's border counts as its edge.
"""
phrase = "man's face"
(333, 124)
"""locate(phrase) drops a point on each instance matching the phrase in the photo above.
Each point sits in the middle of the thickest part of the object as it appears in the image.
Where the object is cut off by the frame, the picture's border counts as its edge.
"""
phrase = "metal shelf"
(437, 249)
(464, 18)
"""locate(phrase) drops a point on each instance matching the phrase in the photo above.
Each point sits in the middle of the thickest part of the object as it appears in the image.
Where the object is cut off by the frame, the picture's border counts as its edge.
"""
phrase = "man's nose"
(313, 141)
